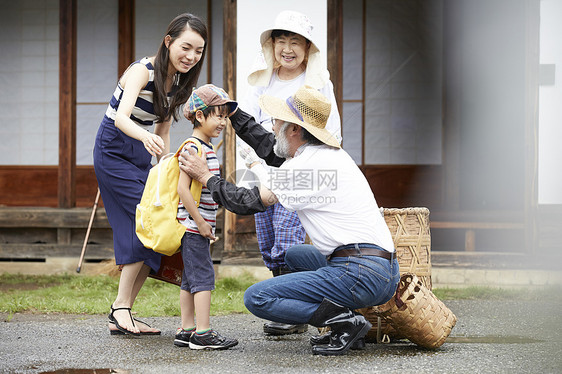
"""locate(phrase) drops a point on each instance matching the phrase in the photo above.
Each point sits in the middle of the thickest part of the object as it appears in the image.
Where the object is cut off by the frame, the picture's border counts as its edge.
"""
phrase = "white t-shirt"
(331, 197)
(284, 89)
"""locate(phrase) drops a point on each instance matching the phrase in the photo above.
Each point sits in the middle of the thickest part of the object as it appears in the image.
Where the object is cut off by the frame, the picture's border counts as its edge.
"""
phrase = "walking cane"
(88, 231)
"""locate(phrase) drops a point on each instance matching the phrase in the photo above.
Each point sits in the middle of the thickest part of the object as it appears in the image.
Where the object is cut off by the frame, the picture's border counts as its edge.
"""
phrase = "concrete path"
(490, 337)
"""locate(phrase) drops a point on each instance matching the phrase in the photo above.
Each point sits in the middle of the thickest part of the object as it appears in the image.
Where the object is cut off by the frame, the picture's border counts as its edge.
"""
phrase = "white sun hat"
(316, 73)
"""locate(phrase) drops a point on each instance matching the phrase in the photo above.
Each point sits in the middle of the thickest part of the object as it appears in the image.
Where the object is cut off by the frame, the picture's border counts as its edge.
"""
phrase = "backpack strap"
(189, 140)
(197, 143)
(196, 186)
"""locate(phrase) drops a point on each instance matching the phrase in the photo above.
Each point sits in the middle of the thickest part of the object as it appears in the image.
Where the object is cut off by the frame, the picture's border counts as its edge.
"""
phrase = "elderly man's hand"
(247, 153)
(195, 166)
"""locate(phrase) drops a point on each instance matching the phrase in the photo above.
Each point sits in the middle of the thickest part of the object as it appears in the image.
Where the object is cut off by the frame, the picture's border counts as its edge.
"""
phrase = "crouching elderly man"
(352, 262)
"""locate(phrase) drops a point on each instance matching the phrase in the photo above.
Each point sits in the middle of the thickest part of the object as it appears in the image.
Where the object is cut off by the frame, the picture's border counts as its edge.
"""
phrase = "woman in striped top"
(150, 92)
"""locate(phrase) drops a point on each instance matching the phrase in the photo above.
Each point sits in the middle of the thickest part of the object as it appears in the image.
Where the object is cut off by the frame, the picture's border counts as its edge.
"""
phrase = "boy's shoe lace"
(211, 340)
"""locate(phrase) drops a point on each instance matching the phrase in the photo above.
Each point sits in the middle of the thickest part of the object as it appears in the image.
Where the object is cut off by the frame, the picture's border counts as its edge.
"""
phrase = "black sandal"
(118, 332)
(119, 328)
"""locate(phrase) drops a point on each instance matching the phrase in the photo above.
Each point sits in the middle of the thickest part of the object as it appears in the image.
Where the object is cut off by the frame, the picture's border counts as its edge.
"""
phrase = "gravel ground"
(489, 337)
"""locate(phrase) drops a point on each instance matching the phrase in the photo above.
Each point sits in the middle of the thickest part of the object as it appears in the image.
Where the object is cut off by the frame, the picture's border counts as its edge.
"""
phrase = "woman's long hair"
(183, 86)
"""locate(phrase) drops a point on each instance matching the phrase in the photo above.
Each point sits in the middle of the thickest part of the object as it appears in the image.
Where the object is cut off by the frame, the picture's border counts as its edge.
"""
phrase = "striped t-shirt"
(207, 206)
(143, 111)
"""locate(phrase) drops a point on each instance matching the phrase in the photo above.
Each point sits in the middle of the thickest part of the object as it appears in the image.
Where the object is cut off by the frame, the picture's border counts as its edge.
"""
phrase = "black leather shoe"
(346, 327)
(325, 339)
(117, 332)
(276, 328)
(282, 270)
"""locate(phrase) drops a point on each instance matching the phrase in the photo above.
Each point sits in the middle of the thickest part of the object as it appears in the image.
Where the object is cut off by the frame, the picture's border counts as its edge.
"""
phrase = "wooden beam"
(41, 185)
(229, 82)
(58, 218)
(126, 37)
(477, 225)
(97, 251)
(471, 227)
(335, 48)
(67, 104)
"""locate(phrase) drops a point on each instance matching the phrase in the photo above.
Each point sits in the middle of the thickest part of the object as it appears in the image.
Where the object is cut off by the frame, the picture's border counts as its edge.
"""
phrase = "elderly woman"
(288, 60)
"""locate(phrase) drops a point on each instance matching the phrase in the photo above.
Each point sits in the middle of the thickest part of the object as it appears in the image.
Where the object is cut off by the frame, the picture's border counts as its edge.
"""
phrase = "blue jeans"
(354, 282)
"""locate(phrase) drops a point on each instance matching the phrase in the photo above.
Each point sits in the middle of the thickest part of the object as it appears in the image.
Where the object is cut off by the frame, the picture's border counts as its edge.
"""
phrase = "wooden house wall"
(440, 187)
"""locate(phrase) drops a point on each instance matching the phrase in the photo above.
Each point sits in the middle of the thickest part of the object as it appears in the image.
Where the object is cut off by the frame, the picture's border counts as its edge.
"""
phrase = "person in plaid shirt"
(289, 58)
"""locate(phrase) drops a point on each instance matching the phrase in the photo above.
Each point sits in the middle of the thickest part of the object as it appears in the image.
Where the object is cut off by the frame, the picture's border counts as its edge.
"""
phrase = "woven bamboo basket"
(417, 314)
(409, 228)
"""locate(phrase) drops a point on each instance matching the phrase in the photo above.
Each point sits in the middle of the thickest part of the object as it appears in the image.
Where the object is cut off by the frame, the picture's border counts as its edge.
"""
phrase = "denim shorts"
(198, 272)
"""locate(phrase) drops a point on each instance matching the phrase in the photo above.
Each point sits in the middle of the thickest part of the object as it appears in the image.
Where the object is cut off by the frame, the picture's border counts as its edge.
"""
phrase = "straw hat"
(307, 108)
(316, 73)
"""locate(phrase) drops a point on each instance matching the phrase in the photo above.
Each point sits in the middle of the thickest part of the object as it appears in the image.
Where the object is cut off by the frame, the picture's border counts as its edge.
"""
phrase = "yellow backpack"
(156, 224)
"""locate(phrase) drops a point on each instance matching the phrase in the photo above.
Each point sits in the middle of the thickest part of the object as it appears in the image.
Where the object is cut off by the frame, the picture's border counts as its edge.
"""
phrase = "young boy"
(207, 108)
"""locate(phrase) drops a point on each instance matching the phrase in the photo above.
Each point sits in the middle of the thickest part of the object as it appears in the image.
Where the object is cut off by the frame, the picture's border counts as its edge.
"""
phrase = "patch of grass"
(228, 296)
(78, 294)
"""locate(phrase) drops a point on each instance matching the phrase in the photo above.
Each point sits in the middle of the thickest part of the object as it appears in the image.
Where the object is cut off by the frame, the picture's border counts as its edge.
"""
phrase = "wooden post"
(67, 104)
(452, 66)
(126, 49)
(470, 240)
(335, 48)
(532, 61)
(363, 78)
(209, 51)
(229, 81)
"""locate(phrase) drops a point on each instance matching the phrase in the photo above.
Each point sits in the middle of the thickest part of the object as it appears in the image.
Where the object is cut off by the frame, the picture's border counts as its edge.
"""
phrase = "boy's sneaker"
(182, 337)
(211, 340)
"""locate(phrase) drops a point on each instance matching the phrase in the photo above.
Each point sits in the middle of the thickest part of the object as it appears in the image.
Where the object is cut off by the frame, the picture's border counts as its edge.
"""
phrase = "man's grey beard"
(281, 146)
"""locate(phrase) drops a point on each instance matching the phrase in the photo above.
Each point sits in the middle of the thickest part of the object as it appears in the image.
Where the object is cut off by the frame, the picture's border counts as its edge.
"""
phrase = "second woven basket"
(417, 314)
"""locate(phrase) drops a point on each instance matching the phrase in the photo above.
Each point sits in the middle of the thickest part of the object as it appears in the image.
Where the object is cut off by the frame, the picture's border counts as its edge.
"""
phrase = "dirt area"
(34, 316)
(7, 287)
